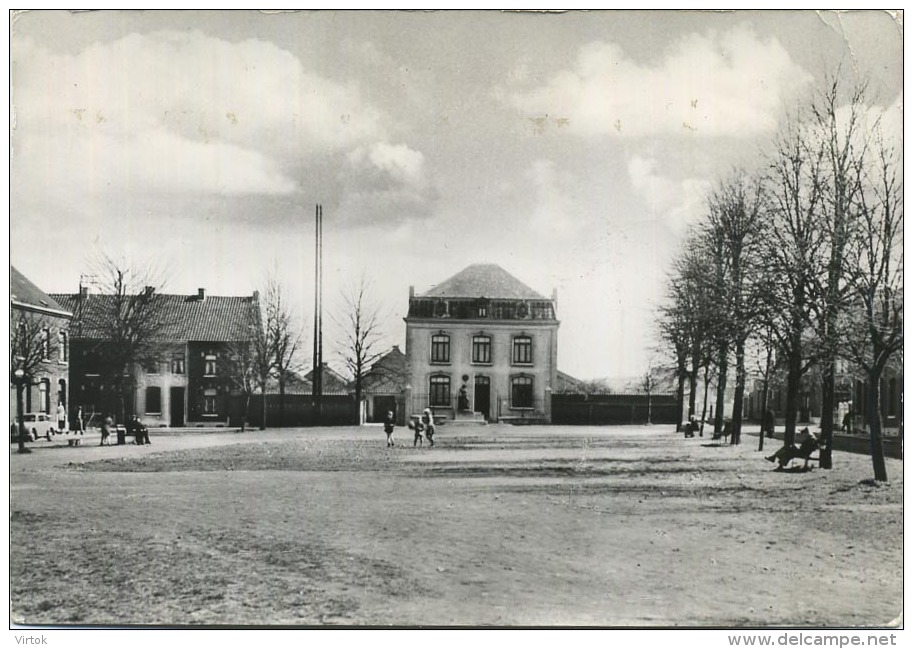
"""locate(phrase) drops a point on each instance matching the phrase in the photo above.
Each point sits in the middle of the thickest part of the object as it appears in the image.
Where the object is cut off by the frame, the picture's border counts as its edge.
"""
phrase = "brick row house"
(485, 334)
(47, 385)
(186, 377)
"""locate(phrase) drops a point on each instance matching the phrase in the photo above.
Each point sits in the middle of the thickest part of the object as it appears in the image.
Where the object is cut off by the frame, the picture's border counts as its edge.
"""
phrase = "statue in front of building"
(463, 399)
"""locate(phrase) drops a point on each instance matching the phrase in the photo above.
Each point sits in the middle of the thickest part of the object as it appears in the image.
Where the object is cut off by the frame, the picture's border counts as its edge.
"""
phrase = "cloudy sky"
(571, 149)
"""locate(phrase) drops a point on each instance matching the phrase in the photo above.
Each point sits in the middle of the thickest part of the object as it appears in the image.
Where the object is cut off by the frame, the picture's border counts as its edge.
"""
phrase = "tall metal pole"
(316, 303)
(320, 320)
(317, 374)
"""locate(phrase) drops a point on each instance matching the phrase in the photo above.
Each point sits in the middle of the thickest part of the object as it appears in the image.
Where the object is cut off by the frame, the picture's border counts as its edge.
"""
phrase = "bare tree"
(875, 261)
(31, 346)
(122, 324)
(283, 333)
(687, 318)
(250, 364)
(843, 142)
(360, 321)
(735, 227)
(791, 252)
(648, 383)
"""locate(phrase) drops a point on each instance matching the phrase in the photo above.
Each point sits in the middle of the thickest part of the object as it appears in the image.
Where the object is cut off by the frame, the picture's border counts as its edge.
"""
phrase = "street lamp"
(19, 380)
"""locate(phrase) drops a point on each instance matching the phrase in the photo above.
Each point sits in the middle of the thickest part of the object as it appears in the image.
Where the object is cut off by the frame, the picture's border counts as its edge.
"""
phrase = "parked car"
(37, 424)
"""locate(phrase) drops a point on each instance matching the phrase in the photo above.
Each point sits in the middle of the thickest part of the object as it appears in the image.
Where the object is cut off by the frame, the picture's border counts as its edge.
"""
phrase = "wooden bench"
(810, 456)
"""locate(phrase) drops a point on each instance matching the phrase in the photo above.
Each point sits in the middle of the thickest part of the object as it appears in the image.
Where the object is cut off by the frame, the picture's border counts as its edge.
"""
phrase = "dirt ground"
(496, 525)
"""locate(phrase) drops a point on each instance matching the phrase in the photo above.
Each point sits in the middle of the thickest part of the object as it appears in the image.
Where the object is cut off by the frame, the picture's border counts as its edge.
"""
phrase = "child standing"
(416, 425)
(428, 423)
(388, 427)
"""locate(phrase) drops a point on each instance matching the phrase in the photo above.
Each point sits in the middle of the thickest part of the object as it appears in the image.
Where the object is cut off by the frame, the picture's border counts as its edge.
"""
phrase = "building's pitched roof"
(387, 373)
(332, 381)
(565, 382)
(24, 293)
(293, 385)
(484, 280)
(393, 361)
(184, 317)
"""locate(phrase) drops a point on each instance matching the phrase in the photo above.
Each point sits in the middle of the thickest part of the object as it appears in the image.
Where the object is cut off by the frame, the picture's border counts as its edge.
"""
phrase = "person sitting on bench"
(786, 454)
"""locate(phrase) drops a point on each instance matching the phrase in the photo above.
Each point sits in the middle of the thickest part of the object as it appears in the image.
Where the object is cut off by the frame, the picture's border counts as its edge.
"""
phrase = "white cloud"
(717, 84)
(181, 111)
(385, 181)
(676, 202)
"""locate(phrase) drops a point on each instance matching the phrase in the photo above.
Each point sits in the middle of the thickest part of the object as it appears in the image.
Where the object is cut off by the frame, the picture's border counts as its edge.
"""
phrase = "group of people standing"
(134, 427)
(422, 426)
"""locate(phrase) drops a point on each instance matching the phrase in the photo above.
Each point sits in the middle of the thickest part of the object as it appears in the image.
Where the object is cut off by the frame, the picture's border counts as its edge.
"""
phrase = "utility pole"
(317, 374)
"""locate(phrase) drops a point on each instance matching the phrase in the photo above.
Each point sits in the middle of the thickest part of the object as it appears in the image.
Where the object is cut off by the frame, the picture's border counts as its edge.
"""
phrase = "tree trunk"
(793, 376)
(764, 407)
(739, 396)
(281, 403)
(692, 388)
(827, 415)
(680, 402)
(263, 406)
(706, 390)
(874, 414)
(721, 391)
(245, 411)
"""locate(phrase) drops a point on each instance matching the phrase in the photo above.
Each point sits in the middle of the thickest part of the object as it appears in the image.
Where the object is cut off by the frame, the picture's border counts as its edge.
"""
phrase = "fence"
(301, 410)
(604, 409)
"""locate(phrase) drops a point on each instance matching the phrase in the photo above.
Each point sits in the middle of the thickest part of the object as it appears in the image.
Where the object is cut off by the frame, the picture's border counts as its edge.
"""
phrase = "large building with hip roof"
(482, 345)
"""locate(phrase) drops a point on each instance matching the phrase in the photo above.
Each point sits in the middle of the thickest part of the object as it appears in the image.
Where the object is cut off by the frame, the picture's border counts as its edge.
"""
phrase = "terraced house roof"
(484, 280)
(24, 294)
(183, 318)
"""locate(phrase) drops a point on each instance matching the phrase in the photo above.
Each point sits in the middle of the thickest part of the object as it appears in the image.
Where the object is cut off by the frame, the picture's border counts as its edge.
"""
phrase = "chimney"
(201, 294)
(555, 299)
(411, 292)
(83, 291)
(148, 291)
(256, 296)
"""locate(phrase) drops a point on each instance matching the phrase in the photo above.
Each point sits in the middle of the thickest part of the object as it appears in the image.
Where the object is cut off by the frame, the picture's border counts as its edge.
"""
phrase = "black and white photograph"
(466, 319)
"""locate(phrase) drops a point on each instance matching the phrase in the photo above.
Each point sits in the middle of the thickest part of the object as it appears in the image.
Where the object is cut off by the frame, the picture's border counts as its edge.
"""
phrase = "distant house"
(568, 384)
(185, 380)
(482, 329)
(333, 383)
(383, 385)
(48, 385)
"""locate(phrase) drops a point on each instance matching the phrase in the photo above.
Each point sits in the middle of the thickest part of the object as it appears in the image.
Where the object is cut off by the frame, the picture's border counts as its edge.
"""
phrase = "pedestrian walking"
(78, 424)
(388, 427)
(768, 423)
(61, 417)
(428, 423)
(106, 425)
